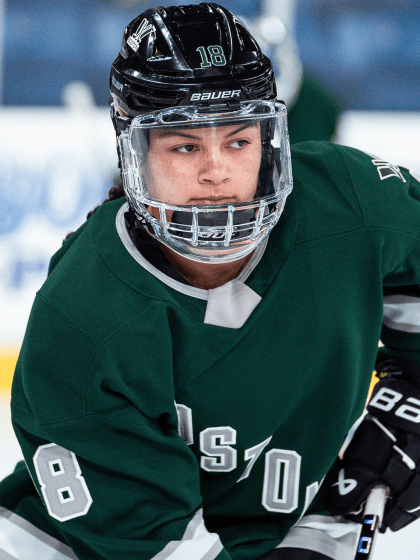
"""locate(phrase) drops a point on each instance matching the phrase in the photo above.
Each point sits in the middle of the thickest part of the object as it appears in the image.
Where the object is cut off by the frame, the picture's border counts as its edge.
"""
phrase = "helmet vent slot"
(157, 51)
(245, 39)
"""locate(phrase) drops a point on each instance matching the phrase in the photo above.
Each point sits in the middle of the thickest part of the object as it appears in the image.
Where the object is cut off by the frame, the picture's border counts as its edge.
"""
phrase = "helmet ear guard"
(267, 137)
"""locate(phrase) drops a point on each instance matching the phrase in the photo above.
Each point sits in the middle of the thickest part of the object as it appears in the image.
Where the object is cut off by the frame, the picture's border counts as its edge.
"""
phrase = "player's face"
(204, 166)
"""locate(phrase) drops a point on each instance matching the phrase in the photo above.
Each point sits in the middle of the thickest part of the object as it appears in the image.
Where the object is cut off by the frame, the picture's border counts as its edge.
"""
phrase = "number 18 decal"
(63, 487)
(217, 56)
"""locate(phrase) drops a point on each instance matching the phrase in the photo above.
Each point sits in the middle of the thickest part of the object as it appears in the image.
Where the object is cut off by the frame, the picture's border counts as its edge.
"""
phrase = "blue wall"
(366, 52)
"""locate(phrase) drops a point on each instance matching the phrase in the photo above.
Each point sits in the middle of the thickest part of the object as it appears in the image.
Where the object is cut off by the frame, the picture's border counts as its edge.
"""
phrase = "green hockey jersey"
(161, 421)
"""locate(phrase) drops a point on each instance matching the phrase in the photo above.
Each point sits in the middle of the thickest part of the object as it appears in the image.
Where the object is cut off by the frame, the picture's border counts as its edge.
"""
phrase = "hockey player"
(204, 343)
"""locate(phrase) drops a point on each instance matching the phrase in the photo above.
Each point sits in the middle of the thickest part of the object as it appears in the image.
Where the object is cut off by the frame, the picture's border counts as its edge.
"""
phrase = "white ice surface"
(10, 452)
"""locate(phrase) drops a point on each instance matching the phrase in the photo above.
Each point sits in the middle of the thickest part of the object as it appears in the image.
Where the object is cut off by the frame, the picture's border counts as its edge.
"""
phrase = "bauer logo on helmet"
(206, 96)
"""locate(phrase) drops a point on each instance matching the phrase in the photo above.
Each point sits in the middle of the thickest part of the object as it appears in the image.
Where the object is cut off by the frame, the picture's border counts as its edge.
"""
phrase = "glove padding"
(385, 449)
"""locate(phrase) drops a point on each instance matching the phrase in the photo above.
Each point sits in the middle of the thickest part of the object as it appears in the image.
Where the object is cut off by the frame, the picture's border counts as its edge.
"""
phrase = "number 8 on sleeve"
(63, 487)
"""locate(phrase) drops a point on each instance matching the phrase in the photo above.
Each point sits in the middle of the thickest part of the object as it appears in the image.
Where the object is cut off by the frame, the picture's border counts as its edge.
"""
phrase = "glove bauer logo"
(345, 486)
(387, 398)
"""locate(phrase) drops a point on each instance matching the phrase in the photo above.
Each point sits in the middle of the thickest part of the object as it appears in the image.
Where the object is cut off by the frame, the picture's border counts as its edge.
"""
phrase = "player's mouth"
(204, 201)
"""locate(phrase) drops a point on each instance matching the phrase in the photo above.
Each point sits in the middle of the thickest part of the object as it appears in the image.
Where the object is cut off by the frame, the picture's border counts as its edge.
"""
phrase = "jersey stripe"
(402, 313)
(5, 556)
(196, 544)
(334, 537)
(20, 540)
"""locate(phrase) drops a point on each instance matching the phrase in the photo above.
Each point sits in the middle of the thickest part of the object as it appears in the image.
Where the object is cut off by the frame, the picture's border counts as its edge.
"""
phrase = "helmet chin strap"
(213, 219)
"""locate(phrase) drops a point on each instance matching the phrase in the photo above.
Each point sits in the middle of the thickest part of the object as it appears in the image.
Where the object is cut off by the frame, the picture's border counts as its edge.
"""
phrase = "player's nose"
(215, 168)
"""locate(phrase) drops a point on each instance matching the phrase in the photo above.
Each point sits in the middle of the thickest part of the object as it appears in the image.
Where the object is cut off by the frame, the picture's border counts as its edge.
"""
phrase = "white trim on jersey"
(179, 286)
(335, 537)
(228, 306)
(402, 313)
(196, 544)
(20, 540)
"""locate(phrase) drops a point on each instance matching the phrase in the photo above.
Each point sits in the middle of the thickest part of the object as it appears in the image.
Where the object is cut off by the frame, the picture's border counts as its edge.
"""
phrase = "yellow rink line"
(8, 359)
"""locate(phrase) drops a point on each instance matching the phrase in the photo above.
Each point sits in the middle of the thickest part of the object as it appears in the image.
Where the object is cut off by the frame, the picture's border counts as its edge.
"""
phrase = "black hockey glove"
(385, 450)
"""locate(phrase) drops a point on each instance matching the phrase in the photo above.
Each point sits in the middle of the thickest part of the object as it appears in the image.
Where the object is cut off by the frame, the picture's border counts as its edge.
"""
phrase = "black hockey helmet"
(166, 61)
(198, 67)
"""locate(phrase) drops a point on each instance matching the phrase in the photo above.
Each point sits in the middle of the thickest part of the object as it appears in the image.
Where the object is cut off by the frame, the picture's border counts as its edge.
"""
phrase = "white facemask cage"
(212, 233)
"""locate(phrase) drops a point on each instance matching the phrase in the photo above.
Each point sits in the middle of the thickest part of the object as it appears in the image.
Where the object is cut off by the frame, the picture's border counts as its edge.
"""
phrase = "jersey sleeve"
(401, 324)
(390, 201)
(67, 243)
(320, 533)
(100, 438)
(389, 205)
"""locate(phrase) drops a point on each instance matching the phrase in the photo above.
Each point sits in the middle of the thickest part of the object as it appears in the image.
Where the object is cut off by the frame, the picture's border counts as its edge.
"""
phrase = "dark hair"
(116, 191)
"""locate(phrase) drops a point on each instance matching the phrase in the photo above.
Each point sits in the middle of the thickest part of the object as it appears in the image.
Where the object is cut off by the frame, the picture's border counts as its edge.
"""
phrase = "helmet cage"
(211, 232)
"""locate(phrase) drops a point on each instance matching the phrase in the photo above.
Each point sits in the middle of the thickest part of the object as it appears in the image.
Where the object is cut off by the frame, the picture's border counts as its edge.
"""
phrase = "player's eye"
(185, 148)
(239, 143)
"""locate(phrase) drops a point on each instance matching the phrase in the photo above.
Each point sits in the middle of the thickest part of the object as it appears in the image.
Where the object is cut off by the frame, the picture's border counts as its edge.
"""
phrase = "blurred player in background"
(205, 341)
(313, 111)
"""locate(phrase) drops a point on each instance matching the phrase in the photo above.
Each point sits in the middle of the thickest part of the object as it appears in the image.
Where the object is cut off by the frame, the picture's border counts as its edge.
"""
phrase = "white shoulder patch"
(387, 170)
